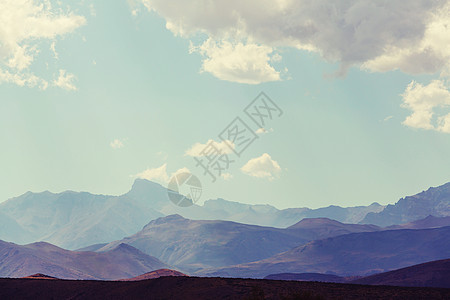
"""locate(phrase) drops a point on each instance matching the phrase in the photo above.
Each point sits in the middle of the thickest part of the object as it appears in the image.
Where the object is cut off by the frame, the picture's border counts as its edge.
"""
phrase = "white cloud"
(427, 103)
(29, 80)
(23, 25)
(157, 174)
(160, 174)
(388, 118)
(65, 81)
(374, 35)
(53, 48)
(263, 130)
(197, 148)
(262, 167)
(237, 62)
(116, 144)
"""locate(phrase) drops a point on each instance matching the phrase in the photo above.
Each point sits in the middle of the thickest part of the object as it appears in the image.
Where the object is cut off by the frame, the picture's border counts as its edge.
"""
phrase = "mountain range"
(351, 254)
(197, 244)
(435, 201)
(225, 248)
(75, 220)
(123, 261)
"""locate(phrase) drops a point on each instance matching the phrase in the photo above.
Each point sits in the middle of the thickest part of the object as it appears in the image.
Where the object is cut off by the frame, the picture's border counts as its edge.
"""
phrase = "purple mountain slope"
(191, 244)
(121, 262)
(352, 254)
(430, 274)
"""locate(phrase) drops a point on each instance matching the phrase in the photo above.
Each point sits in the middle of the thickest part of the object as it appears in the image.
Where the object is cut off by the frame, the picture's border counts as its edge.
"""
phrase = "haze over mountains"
(140, 231)
(74, 220)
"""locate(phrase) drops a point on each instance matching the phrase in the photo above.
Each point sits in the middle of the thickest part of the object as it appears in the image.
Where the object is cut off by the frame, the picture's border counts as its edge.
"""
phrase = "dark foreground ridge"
(206, 288)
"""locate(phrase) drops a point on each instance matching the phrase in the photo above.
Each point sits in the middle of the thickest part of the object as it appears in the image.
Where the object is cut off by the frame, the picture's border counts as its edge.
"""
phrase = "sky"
(94, 94)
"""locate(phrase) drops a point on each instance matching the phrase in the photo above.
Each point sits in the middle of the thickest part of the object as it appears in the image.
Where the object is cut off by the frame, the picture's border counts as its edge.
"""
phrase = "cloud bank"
(375, 35)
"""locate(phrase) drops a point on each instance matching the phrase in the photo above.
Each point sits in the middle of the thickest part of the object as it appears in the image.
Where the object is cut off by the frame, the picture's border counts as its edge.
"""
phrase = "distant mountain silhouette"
(75, 220)
(435, 201)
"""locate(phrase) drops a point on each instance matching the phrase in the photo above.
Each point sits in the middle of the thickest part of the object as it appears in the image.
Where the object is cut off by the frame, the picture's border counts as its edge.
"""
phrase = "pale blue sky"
(340, 140)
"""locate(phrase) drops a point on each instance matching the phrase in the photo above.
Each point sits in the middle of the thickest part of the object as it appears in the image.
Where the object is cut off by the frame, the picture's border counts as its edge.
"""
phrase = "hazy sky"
(96, 94)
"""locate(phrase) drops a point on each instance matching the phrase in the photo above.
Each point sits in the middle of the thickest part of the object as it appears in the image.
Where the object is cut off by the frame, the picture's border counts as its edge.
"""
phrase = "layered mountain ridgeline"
(192, 245)
(430, 274)
(197, 246)
(435, 201)
(123, 261)
(351, 254)
(206, 288)
(75, 220)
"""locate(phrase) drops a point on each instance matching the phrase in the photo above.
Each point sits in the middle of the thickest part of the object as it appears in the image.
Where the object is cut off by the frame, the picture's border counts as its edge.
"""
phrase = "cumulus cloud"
(243, 63)
(65, 81)
(428, 104)
(262, 167)
(159, 174)
(197, 149)
(374, 35)
(23, 24)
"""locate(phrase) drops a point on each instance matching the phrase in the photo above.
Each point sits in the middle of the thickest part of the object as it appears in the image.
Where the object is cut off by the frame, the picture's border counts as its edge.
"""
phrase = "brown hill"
(40, 276)
(155, 274)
